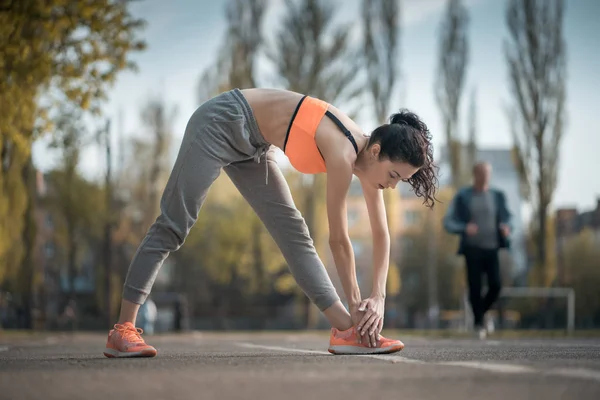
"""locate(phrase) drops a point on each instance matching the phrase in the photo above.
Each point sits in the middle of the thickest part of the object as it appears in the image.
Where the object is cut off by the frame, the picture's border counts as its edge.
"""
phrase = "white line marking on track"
(288, 349)
(383, 357)
(539, 343)
(576, 373)
(3, 348)
(581, 373)
(493, 342)
(484, 366)
(393, 359)
(505, 368)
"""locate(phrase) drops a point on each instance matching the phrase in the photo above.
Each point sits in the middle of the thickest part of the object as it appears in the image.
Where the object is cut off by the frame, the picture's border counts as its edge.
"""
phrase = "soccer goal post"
(567, 293)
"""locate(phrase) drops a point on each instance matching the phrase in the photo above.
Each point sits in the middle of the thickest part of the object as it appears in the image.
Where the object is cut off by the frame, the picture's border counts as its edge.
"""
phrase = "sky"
(183, 37)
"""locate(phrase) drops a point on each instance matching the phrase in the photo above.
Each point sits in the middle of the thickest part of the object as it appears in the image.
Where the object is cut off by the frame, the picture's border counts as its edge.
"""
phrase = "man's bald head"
(482, 172)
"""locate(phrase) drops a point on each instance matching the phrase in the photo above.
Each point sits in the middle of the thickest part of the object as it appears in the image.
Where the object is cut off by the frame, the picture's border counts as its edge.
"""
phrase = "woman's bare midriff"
(273, 110)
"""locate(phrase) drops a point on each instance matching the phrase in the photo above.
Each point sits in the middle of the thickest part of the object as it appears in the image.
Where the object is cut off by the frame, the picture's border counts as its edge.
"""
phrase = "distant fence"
(568, 293)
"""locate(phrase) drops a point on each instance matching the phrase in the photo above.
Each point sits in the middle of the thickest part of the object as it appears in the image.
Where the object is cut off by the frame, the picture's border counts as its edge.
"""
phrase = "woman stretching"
(235, 132)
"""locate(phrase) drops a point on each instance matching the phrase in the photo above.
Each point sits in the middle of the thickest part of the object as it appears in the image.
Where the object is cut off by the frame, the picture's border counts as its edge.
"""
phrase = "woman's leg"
(338, 316)
(196, 168)
(274, 205)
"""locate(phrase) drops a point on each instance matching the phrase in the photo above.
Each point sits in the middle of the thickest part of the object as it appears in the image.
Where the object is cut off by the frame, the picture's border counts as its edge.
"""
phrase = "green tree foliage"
(75, 202)
(74, 48)
(52, 53)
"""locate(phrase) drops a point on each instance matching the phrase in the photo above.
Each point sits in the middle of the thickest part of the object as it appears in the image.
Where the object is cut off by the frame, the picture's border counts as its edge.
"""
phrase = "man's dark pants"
(479, 262)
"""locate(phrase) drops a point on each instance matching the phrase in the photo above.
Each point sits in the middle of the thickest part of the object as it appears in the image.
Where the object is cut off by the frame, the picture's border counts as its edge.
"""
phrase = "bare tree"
(381, 20)
(234, 67)
(314, 57)
(454, 55)
(244, 40)
(536, 57)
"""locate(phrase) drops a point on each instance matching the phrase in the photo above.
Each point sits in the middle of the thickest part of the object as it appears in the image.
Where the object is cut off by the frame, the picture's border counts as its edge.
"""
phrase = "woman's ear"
(375, 149)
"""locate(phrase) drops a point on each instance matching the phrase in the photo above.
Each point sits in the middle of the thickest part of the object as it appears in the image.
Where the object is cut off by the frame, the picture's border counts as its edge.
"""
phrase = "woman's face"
(383, 174)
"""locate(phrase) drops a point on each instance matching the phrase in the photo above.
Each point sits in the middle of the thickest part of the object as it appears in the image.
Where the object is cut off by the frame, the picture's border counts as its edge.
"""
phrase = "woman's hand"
(372, 322)
(357, 316)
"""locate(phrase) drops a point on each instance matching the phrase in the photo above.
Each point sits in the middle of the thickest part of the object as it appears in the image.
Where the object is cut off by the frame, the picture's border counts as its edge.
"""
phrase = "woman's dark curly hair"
(407, 139)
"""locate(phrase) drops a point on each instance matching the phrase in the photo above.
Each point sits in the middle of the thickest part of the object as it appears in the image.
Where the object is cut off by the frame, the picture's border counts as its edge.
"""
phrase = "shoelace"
(261, 152)
(130, 334)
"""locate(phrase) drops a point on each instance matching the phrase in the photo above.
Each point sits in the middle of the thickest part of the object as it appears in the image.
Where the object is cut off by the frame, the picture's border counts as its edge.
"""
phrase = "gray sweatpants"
(223, 134)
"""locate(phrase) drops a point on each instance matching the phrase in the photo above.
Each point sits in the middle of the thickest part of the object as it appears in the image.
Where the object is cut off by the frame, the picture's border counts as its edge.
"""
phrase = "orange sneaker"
(346, 342)
(126, 341)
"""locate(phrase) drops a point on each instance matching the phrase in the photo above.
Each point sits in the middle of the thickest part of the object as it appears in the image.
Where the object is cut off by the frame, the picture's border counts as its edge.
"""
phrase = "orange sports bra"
(300, 145)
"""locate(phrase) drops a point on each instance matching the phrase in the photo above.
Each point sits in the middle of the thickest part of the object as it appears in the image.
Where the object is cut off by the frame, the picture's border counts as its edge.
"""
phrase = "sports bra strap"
(343, 129)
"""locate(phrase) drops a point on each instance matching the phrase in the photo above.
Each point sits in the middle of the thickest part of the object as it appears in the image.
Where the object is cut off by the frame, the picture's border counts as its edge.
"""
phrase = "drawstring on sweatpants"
(262, 151)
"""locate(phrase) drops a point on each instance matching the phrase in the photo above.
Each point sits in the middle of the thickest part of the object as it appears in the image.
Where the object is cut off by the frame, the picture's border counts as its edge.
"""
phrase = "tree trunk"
(71, 261)
(542, 212)
(108, 227)
(26, 272)
(541, 240)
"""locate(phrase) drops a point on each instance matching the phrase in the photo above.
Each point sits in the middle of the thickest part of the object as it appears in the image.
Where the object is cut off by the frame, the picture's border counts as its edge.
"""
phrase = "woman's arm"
(339, 176)
(381, 238)
(373, 306)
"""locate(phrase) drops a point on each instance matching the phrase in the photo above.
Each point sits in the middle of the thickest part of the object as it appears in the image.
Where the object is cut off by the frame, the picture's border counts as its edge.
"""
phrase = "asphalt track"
(297, 366)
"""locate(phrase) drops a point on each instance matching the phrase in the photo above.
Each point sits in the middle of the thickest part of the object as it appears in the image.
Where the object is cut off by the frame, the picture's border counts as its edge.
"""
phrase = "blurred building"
(570, 222)
(591, 219)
